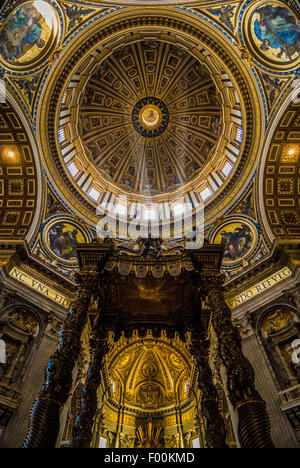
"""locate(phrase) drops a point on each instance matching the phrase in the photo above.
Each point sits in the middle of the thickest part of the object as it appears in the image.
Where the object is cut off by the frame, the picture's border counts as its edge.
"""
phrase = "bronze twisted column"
(44, 422)
(215, 433)
(83, 427)
(254, 425)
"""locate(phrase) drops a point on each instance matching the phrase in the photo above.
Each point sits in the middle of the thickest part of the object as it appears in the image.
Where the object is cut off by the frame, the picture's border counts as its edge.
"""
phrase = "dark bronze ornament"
(215, 428)
(44, 423)
(254, 425)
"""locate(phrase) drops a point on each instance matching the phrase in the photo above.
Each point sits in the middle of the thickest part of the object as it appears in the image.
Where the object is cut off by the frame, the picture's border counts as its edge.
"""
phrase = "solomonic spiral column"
(254, 425)
(83, 428)
(215, 433)
(44, 422)
(99, 347)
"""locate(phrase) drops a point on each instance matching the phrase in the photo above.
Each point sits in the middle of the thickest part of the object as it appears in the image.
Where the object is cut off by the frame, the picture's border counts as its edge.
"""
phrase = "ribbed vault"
(99, 151)
(150, 117)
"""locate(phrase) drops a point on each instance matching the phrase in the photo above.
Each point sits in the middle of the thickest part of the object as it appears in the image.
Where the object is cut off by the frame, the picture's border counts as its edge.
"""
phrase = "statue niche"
(279, 328)
(19, 329)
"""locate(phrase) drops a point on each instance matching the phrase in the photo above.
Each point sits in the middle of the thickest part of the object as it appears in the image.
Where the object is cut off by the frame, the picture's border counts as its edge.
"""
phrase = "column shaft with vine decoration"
(44, 422)
(254, 425)
(83, 427)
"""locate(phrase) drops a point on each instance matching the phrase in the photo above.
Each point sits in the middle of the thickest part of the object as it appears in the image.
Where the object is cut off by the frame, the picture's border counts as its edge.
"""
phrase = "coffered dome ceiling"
(161, 116)
(281, 177)
(150, 118)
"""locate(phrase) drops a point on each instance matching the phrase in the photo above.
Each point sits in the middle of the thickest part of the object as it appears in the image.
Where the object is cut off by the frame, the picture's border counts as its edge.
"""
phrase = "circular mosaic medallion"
(62, 238)
(238, 238)
(28, 33)
(272, 32)
(150, 117)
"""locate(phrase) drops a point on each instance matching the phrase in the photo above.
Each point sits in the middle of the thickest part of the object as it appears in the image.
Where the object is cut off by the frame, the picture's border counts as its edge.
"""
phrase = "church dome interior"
(156, 109)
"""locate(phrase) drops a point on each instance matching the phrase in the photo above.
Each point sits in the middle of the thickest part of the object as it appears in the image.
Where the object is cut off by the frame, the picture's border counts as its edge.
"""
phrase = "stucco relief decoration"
(124, 361)
(149, 369)
(24, 320)
(278, 320)
(175, 361)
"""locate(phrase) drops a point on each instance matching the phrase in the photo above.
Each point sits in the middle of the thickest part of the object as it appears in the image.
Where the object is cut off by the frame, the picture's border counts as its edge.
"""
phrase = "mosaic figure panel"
(275, 33)
(27, 32)
(238, 239)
